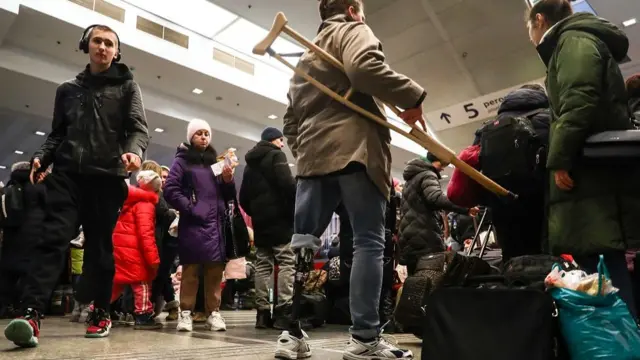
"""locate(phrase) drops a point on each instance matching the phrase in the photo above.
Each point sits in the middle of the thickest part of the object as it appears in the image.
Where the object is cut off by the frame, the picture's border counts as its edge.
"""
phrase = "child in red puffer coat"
(134, 247)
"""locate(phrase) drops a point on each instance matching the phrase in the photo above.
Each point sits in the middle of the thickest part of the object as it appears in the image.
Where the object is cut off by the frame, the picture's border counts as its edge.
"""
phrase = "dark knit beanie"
(270, 134)
(431, 158)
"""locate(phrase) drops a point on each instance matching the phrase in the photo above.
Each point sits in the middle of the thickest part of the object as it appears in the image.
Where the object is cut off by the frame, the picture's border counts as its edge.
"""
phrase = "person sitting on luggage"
(421, 222)
(633, 91)
(520, 225)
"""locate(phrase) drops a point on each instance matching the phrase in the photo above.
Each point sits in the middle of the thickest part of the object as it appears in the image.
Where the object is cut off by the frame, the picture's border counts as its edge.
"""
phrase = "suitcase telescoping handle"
(476, 236)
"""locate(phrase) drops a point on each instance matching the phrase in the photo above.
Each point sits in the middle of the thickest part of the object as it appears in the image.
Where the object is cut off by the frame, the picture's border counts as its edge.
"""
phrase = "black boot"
(263, 319)
(282, 317)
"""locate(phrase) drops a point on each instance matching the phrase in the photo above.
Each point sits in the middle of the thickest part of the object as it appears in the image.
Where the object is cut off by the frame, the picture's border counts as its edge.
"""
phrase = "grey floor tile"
(63, 340)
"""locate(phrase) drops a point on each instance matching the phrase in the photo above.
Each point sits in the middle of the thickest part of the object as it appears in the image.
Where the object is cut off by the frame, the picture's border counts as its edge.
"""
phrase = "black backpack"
(13, 206)
(510, 148)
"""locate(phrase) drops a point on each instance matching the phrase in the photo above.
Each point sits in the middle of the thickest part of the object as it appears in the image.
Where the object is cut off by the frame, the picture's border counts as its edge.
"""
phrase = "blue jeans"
(316, 201)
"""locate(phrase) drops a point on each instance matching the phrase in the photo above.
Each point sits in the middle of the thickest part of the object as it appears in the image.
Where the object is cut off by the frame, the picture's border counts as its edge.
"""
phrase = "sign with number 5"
(478, 109)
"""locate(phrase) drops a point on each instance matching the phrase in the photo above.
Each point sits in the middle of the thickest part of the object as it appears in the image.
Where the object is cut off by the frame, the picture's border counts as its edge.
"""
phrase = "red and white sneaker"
(24, 331)
(100, 324)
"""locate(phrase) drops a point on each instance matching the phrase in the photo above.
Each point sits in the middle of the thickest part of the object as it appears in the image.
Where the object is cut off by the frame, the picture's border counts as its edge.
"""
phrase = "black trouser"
(162, 285)
(520, 225)
(73, 199)
(9, 287)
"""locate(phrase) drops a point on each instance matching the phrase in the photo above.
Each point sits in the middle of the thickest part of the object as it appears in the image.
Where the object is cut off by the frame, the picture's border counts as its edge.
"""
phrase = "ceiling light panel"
(2, 167)
(629, 22)
(243, 35)
(200, 16)
(39, 133)
(197, 91)
(272, 117)
(19, 152)
(159, 130)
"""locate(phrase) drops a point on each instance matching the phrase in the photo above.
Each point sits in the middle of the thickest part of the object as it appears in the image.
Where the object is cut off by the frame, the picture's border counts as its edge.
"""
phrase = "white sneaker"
(377, 349)
(215, 322)
(291, 348)
(185, 322)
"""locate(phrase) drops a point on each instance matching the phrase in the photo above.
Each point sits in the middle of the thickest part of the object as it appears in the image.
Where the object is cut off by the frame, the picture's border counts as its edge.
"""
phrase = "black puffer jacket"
(96, 119)
(420, 231)
(268, 194)
(521, 101)
(19, 242)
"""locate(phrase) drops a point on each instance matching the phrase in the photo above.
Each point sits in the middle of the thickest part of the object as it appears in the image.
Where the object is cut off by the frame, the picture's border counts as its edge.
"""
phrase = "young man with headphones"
(98, 135)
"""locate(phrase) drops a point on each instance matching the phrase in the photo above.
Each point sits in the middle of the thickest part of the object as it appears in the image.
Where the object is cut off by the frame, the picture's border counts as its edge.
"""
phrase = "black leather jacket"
(96, 119)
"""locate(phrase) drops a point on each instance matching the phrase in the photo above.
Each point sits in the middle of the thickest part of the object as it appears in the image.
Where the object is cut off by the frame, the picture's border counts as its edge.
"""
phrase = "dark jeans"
(316, 201)
(73, 199)
(620, 277)
(162, 285)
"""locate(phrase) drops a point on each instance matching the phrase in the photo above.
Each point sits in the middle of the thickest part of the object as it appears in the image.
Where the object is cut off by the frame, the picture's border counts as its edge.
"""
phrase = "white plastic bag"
(173, 228)
(578, 280)
(402, 273)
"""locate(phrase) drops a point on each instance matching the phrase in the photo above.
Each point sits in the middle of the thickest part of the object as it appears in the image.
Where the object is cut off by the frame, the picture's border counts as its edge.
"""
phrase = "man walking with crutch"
(343, 157)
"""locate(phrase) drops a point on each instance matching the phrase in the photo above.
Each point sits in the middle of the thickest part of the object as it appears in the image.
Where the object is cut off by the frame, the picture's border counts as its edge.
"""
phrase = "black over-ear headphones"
(84, 42)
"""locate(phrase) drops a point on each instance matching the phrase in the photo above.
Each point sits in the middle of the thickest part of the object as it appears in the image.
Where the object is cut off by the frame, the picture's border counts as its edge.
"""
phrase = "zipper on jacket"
(82, 105)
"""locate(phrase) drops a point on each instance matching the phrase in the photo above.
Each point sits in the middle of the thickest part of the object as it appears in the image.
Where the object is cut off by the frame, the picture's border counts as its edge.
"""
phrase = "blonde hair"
(151, 165)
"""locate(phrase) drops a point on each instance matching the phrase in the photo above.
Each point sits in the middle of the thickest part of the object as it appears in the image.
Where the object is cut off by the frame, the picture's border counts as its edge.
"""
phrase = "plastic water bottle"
(236, 301)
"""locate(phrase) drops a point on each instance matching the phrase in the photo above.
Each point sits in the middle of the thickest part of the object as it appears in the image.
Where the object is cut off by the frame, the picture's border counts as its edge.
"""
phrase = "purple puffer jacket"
(200, 198)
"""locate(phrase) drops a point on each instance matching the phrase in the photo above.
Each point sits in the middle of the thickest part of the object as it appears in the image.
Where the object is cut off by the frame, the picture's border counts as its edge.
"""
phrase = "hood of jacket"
(193, 156)
(137, 195)
(258, 152)
(615, 39)
(416, 166)
(20, 176)
(523, 100)
(116, 74)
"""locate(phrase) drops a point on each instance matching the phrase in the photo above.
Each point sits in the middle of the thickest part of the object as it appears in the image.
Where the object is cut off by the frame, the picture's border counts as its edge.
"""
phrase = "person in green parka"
(593, 209)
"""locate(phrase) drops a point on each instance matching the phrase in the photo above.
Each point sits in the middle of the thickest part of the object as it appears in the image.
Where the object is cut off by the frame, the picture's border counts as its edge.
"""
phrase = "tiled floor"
(63, 340)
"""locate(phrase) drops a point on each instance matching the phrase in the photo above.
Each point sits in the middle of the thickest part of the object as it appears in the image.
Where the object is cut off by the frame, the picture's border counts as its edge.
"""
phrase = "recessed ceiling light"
(19, 152)
(159, 130)
(2, 167)
(197, 91)
(39, 133)
(629, 22)
(272, 117)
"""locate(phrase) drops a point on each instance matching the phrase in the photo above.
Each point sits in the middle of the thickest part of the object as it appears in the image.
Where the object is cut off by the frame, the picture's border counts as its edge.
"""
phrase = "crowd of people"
(165, 240)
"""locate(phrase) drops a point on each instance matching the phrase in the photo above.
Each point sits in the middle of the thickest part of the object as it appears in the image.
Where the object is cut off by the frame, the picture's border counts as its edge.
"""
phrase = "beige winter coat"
(324, 135)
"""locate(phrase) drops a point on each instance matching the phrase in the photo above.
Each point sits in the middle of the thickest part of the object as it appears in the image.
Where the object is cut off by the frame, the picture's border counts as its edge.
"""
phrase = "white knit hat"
(194, 126)
(149, 180)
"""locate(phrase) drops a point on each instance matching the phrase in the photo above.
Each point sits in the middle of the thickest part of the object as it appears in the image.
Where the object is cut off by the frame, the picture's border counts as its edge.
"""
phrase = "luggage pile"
(463, 308)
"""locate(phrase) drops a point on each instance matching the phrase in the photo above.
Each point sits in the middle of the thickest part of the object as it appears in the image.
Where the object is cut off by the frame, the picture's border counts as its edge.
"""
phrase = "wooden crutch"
(446, 155)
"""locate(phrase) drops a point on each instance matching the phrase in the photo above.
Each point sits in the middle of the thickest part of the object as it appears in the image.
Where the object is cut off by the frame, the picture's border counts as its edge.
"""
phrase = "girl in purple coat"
(200, 198)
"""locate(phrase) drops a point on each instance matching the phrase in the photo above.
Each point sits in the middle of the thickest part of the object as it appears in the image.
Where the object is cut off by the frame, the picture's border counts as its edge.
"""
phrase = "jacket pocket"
(200, 211)
(105, 149)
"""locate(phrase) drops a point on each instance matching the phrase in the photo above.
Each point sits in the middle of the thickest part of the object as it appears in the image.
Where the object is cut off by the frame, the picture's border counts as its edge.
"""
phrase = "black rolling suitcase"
(491, 321)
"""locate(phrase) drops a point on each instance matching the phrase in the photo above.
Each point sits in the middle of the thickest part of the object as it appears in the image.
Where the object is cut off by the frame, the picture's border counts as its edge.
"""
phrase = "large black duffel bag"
(491, 321)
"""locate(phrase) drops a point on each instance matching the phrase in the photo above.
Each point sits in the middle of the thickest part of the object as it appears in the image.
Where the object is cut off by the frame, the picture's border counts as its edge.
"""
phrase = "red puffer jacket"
(134, 243)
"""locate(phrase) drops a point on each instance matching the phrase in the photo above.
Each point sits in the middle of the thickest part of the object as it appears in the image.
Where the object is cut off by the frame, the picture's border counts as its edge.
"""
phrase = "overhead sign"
(480, 108)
